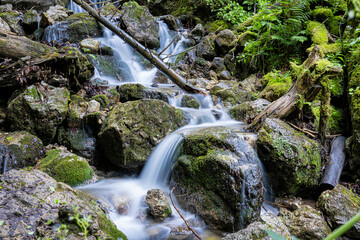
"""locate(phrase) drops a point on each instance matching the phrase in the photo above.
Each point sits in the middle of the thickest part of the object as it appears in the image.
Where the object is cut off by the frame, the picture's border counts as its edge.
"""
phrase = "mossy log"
(174, 77)
(306, 85)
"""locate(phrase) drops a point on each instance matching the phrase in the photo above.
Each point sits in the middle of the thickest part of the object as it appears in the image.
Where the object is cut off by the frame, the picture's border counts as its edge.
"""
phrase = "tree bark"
(304, 89)
(174, 77)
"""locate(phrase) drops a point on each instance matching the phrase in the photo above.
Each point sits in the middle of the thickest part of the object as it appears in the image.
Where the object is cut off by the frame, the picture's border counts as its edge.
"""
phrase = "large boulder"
(132, 92)
(305, 223)
(12, 18)
(81, 26)
(18, 150)
(247, 111)
(340, 205)
(225, 40)
(158, 204)
(66, 167)
(34, 205)
(132, 130)
(229, 93)
(40, 109)
(218, 177)
(292, 161)
(140, 24)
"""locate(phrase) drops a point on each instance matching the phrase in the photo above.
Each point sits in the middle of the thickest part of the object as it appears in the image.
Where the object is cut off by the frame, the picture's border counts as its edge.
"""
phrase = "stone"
(197, 33)
(132, 130)
(80, 26)
(140, 24)
(276, 85)
(121, 204)
(77, 110)
(32, 204)
(225, 40)
(284, 150)
(217, 64)
(189, 101)
(252, 84)
(305, 223)
(54, 14)
(340, 205)
(225, 75)
(170, 22)
(247, 111)
(66, 167)
(12, 18)
(39, 110)
(132, 92)
(40, 5)
(158, 204)
(92, 44)
(210, 175)
(4, 25)
(206, 48)
(18, 150)
(30, 21)
(93, 107)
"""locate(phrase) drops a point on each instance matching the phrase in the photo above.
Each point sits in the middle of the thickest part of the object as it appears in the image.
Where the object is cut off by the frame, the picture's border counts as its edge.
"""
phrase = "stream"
(157, 170)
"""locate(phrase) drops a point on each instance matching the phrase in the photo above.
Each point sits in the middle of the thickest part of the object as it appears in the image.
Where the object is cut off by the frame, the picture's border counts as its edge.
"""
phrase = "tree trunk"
(304, 89)
(176, 78)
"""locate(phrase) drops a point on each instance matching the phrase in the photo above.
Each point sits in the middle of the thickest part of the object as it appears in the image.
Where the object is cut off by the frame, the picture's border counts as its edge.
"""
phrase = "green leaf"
(9, 138)
(49, 222)
(2, 222)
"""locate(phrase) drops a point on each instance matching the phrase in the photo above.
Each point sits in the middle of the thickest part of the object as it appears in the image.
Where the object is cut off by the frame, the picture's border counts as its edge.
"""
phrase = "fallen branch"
(173, 76)
(187, 224)
(302, 130)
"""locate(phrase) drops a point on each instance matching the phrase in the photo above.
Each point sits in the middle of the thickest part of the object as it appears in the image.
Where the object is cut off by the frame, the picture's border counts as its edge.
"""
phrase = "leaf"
(9, 138)
(299, 38)
(2, 222)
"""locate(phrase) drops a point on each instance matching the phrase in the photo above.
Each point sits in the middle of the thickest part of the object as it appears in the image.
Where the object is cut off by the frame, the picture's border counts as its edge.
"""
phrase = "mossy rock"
(326, 49)
(81, 26)
(132, 92)
(30, 21)
(12, 18)
(335, 25)
(277, 85)
(66, 167)
(321, 14)
(190, 102)
(317, 32)
(217, 25)
(132, 130)
(337, 6)
(213, 168)
(230, 94)
(77, 110)
(286, 151)
(247, 111)
(103, 100)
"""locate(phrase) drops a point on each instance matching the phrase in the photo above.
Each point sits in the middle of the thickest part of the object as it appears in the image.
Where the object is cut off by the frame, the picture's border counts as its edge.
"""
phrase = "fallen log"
(334, 167)
(174, 77)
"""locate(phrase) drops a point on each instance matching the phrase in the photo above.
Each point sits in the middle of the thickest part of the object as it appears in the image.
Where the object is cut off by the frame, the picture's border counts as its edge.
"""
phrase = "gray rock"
(197, 33)
(170, 22)
(18, 150)
(225, 40)
(39, 110)
(140, 24)
(284, 150)
(121, 204)
(247, 111)
(225, 75)
(132, 130)
(340, 205)
(132, 92)
(158, 204)
(54, 14)
(217, 64)
(189, 101)
(4, 25)
(12, 18)
(92, 44)
(252, 84)
(217, 170)
(34, 205)
(30, 21)
(206, 48)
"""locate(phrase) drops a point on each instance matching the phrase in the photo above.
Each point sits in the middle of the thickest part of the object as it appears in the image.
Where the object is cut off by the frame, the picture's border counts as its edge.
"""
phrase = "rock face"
(158, 204)
(215, 172)
(33, 205)
(18, 150)
(39, 110)
(305, 223)
(340, 205)
(66, 167)
(292, 161)
(140, 24)
(132, 130)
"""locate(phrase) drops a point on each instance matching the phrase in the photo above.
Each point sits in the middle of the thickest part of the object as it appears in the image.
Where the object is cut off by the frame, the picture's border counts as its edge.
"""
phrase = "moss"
(326, 49)
(217, 25)
(334, 25)
(82, 25)
(245, 37)
(317, 32)
(337, 5)
(102, 99)
(336, 121)
(66, 167)
(277, 84)
(321, 14)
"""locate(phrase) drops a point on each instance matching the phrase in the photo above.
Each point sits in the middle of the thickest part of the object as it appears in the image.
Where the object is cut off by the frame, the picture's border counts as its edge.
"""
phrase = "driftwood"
(174, 77)
(304, 89)
(334, 167)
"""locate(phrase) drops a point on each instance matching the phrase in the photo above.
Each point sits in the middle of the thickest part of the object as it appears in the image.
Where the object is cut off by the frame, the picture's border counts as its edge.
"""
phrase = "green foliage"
(82, 222)
(228, 10)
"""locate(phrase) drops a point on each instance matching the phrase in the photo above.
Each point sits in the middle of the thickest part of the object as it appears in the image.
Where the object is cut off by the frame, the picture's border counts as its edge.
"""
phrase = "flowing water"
(131, 190)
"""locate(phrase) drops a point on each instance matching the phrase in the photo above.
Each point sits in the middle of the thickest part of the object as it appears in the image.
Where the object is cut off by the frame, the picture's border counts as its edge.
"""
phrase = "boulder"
(305, 223)
(252, 84)
(276, 85)
(54, 14)
(40, 109)
(229, 93)
(340, 205)
(66, 167)
(132, 130)
(170, 22)
(121, 204)
(218, 177)
(30, 21)
(225, 40)
(4, 26)
(77, 110)
(140, 24)
(247, 111)
(18, 150)
(206, 48)
(158, 204)
(34, 205)
(132, 92)
(36, 4)
(291, 160)
(91, 44)
(190, 102)
(197, 33)
(12, 18)
(217, 64)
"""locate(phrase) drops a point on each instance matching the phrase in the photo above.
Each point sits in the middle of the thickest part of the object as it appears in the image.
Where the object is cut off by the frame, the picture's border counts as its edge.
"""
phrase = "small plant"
(82, 222)
(62, 231)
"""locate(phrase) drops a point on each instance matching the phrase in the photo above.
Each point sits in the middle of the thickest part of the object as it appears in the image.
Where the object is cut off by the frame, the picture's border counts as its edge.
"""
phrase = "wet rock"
(286, 151)
(54, 14)
(170, 22)
(229, 93)
(217, 64)
(217, 170)
(30, 21)
(225, 40)
(140, 24)
(18, 150)
(80, 26)
(132, 92)
(78, 141)
(121, 204)
(340, 205)
(66, 167)
(158, 204)
(77, 110)
(132, 130)
(248, 110)
(39, 110)
(189, 101)
(34, 205)
(91, 44)
(111, 11)
(305, 223)
(197, 33)
(206, 48)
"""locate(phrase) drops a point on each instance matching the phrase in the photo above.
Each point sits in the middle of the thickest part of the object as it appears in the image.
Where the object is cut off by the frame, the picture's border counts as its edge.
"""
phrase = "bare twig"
(187, 224)
(302, 130)
(177, 36)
